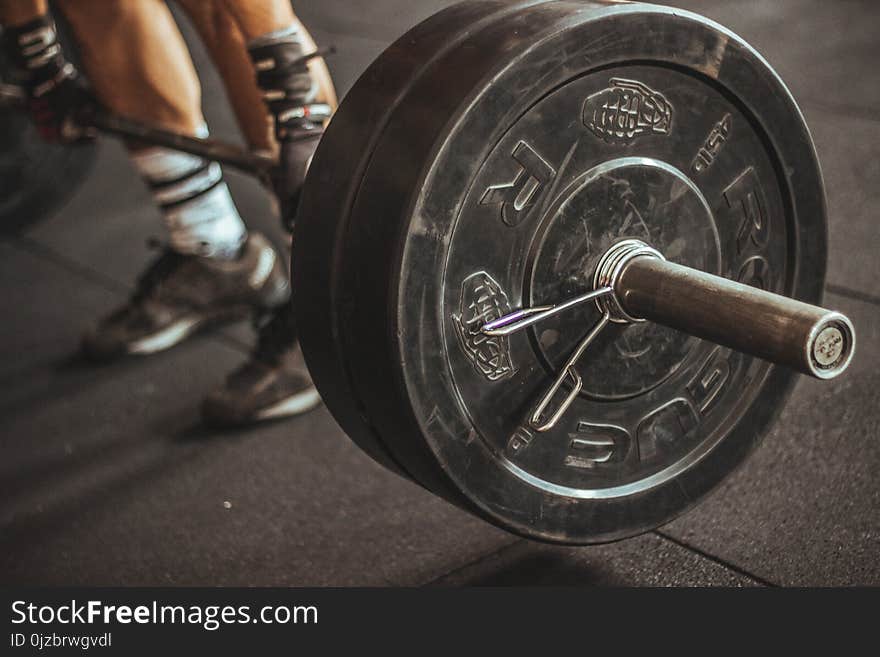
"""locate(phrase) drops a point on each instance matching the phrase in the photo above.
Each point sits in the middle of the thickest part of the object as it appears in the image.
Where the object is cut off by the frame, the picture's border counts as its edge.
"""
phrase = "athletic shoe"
(273, 384)
(180, 295)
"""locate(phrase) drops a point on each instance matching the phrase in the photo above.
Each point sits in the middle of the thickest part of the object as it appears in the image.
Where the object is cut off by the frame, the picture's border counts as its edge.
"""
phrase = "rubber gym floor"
(106, 477)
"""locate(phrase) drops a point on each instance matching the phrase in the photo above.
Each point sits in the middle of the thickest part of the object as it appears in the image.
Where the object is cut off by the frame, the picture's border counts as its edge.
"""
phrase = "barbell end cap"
(831, 346)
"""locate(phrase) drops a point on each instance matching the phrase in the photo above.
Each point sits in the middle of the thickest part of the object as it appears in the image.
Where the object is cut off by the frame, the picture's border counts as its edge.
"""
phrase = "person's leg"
(226, 28)
(139, 67)
(14, 13)
(279, 90)
(280, 95)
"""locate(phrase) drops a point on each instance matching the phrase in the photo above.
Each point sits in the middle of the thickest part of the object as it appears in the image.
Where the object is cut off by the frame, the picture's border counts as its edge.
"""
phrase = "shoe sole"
(297, 404)
(184, 328)
(164, 339)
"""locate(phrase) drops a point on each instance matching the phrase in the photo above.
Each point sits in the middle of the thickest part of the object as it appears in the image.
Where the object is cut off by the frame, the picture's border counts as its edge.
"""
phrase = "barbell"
(560, 262)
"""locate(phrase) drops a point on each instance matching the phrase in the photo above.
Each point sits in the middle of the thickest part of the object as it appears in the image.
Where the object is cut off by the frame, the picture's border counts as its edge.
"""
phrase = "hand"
(56, 112)
(55, 92)
(291, 96)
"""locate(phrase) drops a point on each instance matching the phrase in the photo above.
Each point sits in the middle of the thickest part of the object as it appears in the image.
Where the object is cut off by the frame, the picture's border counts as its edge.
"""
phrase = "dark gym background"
(106, 477)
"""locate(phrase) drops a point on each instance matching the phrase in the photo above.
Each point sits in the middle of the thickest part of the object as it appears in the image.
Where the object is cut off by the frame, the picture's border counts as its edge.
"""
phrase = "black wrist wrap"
(38, 62)
(289, 90)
